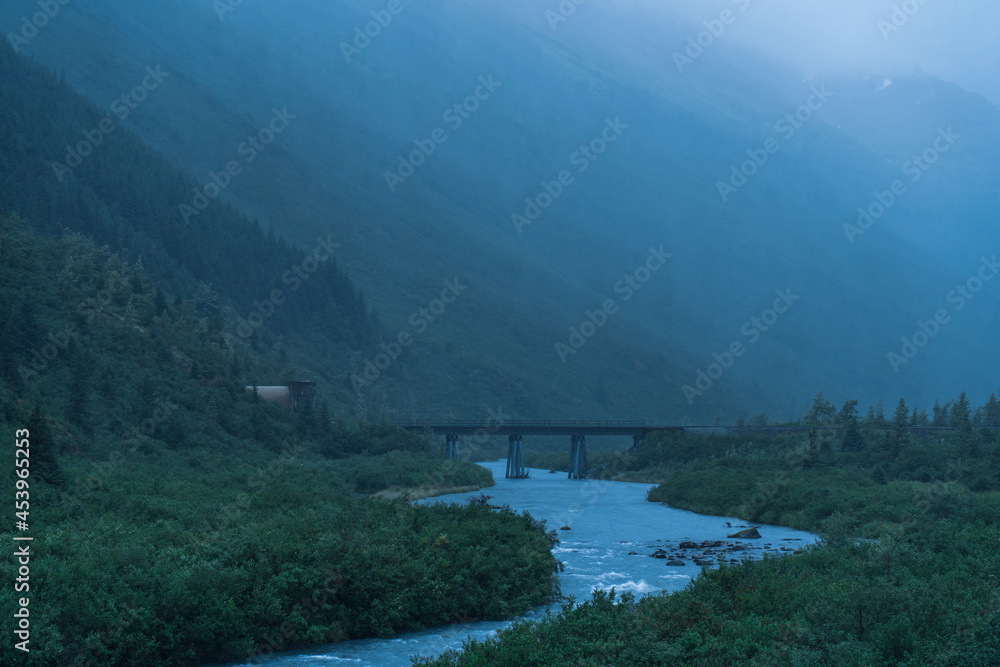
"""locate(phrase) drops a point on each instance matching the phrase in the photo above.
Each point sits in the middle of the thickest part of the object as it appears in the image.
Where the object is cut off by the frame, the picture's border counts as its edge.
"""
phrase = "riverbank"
(600, 552)
(420, 493)
(238, 551)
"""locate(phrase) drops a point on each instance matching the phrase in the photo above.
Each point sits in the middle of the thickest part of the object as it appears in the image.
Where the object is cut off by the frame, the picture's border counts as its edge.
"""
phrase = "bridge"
(579, 430)
(516, 430)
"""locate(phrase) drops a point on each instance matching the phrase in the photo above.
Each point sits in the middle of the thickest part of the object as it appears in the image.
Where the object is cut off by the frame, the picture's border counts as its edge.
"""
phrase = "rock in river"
(748, 534)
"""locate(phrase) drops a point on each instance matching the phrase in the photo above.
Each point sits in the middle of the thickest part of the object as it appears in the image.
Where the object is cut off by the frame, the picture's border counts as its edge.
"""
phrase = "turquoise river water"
(613, 533)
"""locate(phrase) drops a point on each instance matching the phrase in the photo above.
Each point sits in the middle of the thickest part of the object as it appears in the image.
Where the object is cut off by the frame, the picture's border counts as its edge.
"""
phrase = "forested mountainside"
(108, 186)
(180, 520)
(681, 175)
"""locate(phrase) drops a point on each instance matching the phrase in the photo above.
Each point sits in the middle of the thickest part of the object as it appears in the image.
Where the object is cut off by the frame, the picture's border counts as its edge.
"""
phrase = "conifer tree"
(44, 464)
(960, 417)
(900, 428)
(870, 417)
(878, 475)
(820, 412)
(991, 411)
(848, 412)
(160, 303)
(961, 412)
(853, 440)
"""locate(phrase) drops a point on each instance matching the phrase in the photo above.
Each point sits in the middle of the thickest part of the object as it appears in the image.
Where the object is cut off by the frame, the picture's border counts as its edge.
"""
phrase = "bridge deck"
(533, 427)
(639, 428)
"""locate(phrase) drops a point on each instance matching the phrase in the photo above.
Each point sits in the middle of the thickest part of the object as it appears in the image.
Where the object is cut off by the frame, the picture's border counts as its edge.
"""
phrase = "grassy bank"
(195, 556)
(419, 493)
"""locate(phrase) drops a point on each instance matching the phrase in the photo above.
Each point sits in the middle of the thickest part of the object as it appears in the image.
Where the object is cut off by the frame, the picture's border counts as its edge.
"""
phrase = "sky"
(954, 40)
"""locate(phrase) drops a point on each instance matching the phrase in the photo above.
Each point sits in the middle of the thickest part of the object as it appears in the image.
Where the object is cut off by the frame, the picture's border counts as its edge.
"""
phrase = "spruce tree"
(878, 475)
(900, 428)
(870, 417)
(160, 303)
(853, 440)
(848, 412)
(44, 465)
(938, 413)
(991, 412)
(961, 412)
(960, 417)
(820, 412)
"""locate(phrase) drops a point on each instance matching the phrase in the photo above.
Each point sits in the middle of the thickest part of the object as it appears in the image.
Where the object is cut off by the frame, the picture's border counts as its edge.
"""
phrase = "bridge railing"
(584, 424)
(550, 423)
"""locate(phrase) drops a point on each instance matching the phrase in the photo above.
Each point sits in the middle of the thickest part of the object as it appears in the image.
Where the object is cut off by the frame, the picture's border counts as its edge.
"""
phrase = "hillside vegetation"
(180, 520)
(293, 308)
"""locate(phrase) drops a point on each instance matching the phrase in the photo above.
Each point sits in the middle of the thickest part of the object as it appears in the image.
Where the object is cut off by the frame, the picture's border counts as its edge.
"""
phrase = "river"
(613, 531)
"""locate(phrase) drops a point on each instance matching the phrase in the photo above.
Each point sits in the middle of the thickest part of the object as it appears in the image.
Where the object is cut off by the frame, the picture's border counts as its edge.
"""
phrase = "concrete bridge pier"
(578, 457)
(515, 458)
(452, 447)
(636, 441)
